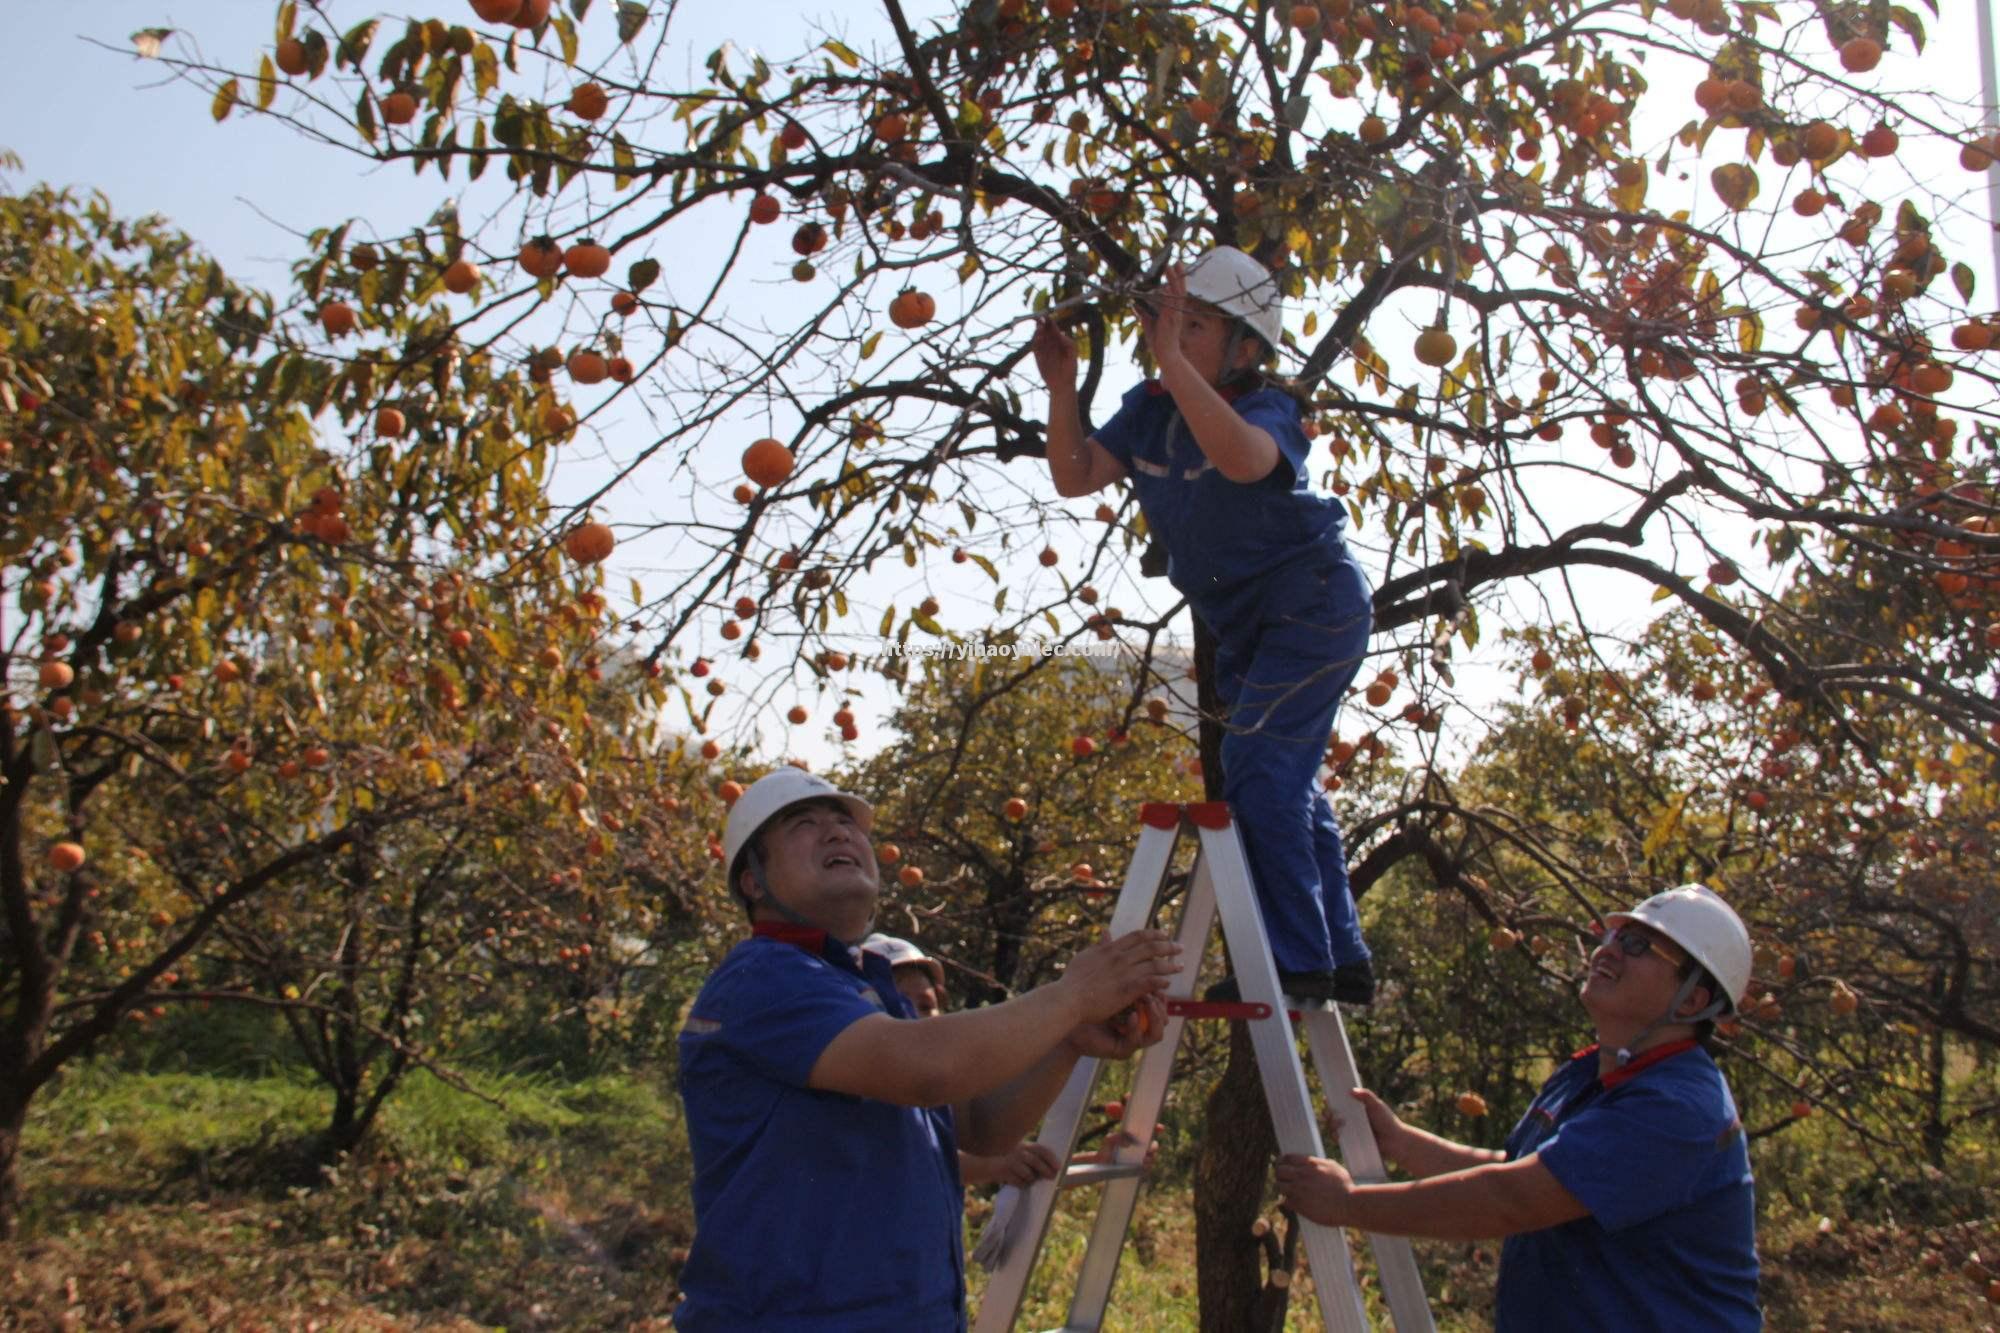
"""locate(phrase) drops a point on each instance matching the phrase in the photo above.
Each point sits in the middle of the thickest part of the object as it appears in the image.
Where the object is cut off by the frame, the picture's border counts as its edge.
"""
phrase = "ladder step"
(1099, 1173)
(1245, 1009)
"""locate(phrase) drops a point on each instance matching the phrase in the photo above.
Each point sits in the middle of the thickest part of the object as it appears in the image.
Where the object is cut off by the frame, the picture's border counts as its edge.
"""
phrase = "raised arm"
(1077, 464)
(961, 1057)
(1417, 1151)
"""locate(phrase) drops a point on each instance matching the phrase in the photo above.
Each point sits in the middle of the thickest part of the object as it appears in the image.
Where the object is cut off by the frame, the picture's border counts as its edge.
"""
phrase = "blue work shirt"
(1225, 539)
(1655, 1151)
(813, 1210)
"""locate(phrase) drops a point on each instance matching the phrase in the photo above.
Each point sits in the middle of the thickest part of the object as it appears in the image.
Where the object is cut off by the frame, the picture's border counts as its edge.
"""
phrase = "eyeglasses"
(1637, 941)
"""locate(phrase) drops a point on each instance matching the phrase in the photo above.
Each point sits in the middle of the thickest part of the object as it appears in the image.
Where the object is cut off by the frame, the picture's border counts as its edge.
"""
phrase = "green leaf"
(288, 15)
(485, 69)
(354, 46)
(888, 622)
(984, 564)
(642, 274)
(267, 83)
(841, 53)
(1661, 593)
(623, 158)
(1962, 278)
(631, 18)
(566, 35)
(225, 98)
(925, 623)
(869, 343)
(1909, 23)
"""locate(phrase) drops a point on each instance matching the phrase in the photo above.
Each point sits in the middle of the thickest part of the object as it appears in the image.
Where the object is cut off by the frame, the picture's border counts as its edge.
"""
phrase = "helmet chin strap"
(1672, 1015)
(784, 909)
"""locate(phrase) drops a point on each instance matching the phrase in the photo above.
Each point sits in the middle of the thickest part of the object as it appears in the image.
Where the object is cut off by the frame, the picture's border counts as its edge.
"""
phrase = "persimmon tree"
(399, 953)
(267, 612)
(1660, 299)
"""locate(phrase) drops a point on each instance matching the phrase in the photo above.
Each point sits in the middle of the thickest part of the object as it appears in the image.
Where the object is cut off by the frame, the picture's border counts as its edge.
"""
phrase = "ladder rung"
(1099, 1173)
(1243, 1009)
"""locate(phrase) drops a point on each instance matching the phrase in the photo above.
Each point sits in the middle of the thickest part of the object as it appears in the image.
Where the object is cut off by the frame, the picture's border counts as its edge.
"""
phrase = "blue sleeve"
(1634, 1156)
(1121, 434)
(1278, 413)
(781, 1017)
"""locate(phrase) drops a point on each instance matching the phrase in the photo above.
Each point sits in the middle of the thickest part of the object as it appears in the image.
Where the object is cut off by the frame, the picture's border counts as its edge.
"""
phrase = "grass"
(183, 1200)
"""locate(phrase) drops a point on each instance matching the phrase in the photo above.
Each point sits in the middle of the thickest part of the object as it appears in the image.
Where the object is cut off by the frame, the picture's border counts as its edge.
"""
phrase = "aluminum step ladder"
(1220, 883)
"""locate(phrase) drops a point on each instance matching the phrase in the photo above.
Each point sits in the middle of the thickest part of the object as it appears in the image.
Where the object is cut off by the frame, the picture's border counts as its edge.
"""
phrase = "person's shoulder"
(1689, 1089)
(1270, 398)
(1273, 395)
(1145, 396)
(757, 969)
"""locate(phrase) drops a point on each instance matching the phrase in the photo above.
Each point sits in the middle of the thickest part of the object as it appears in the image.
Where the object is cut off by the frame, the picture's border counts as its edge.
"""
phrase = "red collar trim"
(812, 940)
(1645, 1059)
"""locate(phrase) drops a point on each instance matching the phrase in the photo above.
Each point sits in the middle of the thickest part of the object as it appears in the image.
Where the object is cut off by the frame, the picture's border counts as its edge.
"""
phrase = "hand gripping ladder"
(1220, 883)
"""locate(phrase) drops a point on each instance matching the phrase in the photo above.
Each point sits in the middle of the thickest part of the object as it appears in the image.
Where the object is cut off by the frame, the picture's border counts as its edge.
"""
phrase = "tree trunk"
(1237, 1142)
(13, 1118)
(1229, 1184)
(1937, 1134)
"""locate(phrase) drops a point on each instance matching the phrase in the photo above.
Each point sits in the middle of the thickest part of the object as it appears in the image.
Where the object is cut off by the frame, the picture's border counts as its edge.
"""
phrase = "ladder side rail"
(1395, 1259)
(1285, 1091)
(1143, 1104)
(1007, 1286)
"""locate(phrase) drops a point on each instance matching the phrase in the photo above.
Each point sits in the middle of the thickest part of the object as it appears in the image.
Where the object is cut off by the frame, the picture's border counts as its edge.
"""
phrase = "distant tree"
(245, 649)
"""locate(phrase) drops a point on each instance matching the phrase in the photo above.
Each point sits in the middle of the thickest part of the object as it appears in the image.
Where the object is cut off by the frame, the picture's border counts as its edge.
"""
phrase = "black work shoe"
(1350, 983)
(1354, 983)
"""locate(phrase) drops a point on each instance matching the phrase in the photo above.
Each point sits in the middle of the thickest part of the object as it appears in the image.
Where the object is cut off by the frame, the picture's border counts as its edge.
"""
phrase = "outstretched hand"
(1055, 354)
(1119, 1036)
(1162, 317)
(1316, 1189)
(1111, 974)
(1383, 1123)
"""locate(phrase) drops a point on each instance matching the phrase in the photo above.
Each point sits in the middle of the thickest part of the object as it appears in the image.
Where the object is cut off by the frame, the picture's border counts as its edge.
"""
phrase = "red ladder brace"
(1220, 885)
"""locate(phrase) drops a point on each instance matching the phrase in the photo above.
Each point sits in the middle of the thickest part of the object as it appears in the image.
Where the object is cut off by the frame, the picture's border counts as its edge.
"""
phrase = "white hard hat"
(1237, 285)
(902, 953)
(1695, 917)
(779, 790)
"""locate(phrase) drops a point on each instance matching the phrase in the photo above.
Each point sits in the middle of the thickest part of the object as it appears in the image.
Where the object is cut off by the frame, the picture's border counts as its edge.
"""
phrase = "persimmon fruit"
(589, 542)
(541, 258)
(588, 101)
(768, 463)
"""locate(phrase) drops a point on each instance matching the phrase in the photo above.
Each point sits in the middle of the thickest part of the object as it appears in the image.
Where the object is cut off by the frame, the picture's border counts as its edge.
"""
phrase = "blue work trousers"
(1281, 679)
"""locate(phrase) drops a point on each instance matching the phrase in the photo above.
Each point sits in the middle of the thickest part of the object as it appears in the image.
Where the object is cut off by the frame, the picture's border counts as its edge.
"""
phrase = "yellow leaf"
(1664, 826)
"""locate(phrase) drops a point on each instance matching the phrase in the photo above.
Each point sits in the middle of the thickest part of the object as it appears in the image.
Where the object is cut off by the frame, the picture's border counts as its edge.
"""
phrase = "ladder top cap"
(1208, 814)
(1160, 814)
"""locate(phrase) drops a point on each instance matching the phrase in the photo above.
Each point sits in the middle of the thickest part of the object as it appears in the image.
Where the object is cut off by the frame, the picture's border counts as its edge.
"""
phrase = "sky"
(249, 189)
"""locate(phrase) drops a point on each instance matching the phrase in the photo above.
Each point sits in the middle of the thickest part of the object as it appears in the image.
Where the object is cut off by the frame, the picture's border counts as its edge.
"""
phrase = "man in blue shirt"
(1624, 1194)
(824, 1127)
